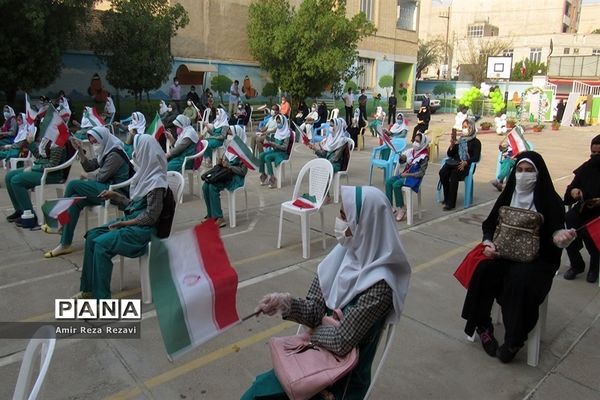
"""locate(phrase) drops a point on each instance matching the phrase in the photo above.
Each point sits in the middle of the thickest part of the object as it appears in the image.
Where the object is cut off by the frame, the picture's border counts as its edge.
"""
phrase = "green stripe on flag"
(166, 300)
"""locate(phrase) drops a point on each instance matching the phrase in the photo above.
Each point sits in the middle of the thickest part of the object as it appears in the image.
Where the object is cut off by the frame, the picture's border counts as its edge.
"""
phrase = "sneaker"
(506, 353)
(401, 214)
(272, 183)
(571, 273)
(263, 179)
(488, 341)
(220, 222)
(14, 216)
(592, 276)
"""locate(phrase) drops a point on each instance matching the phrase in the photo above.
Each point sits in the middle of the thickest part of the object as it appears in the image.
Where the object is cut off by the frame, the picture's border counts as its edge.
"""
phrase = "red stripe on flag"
(63, 134)
(593, 229)
(223, 277)
(64, 217)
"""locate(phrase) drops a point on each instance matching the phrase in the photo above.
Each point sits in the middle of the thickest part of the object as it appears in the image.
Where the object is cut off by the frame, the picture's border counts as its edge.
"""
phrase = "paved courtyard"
(430, 357)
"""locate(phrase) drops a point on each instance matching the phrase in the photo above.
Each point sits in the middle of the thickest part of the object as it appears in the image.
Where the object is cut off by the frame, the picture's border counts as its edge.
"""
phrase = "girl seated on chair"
(278, 144)
(184, 146)
(377, 124)
(399, 129)
(334, 147)
(413, 164)
(137, 125)
(217, 133)
(9, 128)
(23, 140)
(365, 276)
(110, 166)
(519, 287)
(20, 181)
(211, 191)
(129, 235)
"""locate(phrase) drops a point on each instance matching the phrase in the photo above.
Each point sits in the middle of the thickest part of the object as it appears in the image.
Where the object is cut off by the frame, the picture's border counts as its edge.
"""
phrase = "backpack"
(165, 219)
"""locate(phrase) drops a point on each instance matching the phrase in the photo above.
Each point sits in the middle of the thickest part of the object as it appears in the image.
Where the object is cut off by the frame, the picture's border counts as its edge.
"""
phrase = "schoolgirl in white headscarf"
(106, 142)
(399, 129)
(187, 130)
(338, 138)
(151, 162)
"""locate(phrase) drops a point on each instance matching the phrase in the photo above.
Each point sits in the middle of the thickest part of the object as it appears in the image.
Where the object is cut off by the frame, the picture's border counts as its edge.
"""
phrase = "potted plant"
(511, 123)
(486, 126)
(538, 127)
(555, 125)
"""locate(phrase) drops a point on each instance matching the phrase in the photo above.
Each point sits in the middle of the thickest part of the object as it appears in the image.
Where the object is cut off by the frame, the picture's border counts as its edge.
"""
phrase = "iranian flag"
(238, 148)
(54, 128)
(156, 128)
(388, 141)
(56, 212)
(517, 141)
(303, 202)
(523, 68)
(305, 139)
(194, 287)
(30, 114)
(94, 119)
(593, 229)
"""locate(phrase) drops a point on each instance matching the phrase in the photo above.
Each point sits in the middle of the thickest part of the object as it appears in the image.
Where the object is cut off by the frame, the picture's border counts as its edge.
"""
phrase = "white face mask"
(96, 148)
(272, 112)
(525, 181)
(189, 103)
(169, 109)
(416, 144)
(465, 132)
(340, 229)
(6, 115)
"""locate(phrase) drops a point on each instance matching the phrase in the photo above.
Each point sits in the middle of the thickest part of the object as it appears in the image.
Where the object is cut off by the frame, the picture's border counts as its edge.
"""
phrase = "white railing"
(585, 89)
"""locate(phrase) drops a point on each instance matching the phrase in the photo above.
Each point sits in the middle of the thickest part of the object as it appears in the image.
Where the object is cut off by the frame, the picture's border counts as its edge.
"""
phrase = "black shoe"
(19, 223)
(14, 216)
(572, 273)
(488, 341)
(447, 208)
(592, 276)
(506, 353)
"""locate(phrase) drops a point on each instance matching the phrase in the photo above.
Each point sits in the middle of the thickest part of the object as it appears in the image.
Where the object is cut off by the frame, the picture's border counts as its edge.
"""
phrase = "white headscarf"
(10, 110)
(24, 129)
(523, 196)
(106, 141)
(162, 108)
(221, 119)
(373, 253)
(63, 104)
(151, 164)
(138, 122)
(188, 131)
(337, 139)
(109, 107)
(85, 121)
(283, 132)
(379, 114)
(399, 125)
(420, 152)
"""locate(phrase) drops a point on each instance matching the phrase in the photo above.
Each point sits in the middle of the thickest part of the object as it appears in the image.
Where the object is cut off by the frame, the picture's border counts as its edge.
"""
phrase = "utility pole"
(447, 17)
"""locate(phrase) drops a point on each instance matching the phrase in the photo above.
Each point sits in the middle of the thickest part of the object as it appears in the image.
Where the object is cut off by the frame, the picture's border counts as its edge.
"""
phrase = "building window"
(507, 53)
(475, 31)
(535, 54)
(365, 78)
(596, 52)
(566, 50)
(406, 15)
(575, 51)
(367, 6)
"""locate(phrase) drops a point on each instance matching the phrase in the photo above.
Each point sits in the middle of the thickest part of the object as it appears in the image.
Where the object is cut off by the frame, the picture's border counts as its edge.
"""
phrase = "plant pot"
(537, 130)
(555, 128)
(510, 125)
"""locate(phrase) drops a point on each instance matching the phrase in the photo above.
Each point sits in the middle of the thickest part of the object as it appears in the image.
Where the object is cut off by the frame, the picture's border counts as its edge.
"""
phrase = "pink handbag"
(304, 369)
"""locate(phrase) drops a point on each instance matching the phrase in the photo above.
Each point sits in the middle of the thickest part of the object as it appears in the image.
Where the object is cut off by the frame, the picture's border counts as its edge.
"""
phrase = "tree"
(35, 34)
(351, 85)
(475, 54)
(134, 42)
(596, 31)
(270, 90)
(531, 69)
(307, 49)
(429, 53)
(385, 82)
(444, 89)
(220, 84)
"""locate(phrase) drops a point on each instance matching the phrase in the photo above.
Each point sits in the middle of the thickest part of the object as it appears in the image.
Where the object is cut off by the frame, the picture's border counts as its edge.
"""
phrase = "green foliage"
(470, 96)
(444, 89)
(351, 85)
(35, 33)
(497, 100)
(385, 82)
(596, 31)
(220, 84)
(306, 49)
(531, 69)
(429, 53)
(134, 42)
(270, 90)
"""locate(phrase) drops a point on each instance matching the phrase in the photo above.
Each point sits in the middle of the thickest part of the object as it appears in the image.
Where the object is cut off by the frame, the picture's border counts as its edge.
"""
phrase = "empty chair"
(194, 172)
(42, 344)
(320, 176)
(387, 164)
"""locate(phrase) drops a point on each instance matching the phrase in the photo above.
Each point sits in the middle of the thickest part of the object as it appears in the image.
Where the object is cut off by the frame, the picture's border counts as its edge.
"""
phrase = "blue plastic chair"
(468, 196)
(389, 164)
(531, 147)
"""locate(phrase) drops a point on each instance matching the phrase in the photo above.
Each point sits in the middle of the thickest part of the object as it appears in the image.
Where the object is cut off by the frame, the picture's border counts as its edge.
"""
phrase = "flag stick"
(247, 317)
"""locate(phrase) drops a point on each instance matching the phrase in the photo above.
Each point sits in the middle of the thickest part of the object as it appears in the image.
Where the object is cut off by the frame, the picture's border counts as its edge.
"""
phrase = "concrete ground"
(430, 357)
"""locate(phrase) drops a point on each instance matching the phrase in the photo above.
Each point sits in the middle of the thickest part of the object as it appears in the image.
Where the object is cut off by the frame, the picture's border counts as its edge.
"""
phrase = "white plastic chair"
(535, 336)
(193, 173)
(14, 162)
(280, 169)
(389, 338)
(176, 182)
(335, 113)
(42, 343)
(231, 203)
(102, 210)
(338, 175)
(320, 177)
(410, 207)
(60, 187)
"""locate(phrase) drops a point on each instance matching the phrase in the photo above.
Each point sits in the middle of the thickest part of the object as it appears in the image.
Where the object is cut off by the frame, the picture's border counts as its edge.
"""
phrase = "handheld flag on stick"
(156, 128)
(54, 128)
(93, 118)
(56, 212)
(238, 148)
(593, 229)
(517, 141)
(194, 287)
(305, 139)
(30, 114)
(388, 141)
